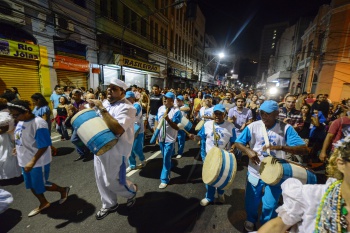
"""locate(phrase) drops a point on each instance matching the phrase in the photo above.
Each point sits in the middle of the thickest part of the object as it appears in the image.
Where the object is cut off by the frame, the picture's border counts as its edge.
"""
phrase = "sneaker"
(221, 198)
(131, 201)
(249, 226)
(129, 169)
(103, 212)
(79, 158)
(143, 163)
(204, 202)
(163, 185)
(178, 156)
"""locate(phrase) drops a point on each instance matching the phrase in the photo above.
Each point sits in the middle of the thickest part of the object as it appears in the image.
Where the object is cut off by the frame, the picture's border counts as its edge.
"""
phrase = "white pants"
(107, 168)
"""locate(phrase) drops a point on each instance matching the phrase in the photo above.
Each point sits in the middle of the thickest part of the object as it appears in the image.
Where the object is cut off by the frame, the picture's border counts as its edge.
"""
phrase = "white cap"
(119, 83)
(262, 98)
(5, 119)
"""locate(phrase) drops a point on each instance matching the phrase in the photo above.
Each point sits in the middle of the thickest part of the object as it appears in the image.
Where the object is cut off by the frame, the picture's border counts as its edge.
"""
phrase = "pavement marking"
(150, 158)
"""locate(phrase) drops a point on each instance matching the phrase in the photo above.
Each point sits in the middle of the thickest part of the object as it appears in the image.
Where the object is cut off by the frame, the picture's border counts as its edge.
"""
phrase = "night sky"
(225, 18)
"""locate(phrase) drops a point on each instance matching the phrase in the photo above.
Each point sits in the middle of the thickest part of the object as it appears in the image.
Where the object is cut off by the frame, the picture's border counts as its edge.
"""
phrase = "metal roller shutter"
(71, 78)
(20, 73)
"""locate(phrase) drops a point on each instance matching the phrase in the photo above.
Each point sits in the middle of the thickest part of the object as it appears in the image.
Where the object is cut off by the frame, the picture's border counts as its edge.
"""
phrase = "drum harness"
(216, 136)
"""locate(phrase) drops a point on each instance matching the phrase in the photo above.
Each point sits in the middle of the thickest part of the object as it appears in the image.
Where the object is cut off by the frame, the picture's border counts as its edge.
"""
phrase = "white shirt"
(29, 137)
(170, 133)
(138, 118)
(205, 111)
(124, 112)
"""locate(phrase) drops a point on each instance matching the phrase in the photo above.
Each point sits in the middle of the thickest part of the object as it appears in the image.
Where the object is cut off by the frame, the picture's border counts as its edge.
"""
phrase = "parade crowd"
(300, 129)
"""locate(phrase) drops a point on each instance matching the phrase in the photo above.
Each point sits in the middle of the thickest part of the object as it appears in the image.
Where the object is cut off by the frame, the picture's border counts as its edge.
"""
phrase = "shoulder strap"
(266, 138)
(216, 136)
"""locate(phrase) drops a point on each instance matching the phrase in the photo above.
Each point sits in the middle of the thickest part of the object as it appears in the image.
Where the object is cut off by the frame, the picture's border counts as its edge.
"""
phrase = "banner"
(71, 63)
(133, 63)
(19, 49)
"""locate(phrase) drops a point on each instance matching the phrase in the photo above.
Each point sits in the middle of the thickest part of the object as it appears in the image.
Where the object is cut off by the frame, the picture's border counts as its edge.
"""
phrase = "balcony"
(304, 63)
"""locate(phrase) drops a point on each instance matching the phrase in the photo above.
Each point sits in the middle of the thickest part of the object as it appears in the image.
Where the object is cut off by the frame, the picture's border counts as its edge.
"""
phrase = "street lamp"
(220, 55)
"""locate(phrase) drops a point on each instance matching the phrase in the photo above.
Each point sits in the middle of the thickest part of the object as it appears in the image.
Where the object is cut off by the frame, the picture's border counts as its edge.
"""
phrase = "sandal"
(131, 201)
(38, 210)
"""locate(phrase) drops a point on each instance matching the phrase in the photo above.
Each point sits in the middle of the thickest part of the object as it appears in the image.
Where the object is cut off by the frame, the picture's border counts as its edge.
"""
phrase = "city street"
(174, 209)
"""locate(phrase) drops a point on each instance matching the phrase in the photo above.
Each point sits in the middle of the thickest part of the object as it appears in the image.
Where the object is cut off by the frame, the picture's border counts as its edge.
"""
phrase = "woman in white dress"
(9, 167)
(317, 208)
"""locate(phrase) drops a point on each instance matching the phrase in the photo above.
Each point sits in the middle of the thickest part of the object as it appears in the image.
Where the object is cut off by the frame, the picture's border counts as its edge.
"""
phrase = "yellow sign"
(19, 49)
(131, 62)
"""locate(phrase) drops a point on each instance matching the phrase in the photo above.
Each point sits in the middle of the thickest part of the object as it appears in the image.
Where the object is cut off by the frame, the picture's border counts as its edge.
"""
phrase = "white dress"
(9, 167)
(300, 203)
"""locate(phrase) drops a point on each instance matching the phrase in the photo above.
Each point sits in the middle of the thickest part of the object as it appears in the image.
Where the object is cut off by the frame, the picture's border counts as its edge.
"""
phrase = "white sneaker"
(129, 169)
(163, 185)
(249, 226)
(221, 198)
(178, 156)
(204, 202)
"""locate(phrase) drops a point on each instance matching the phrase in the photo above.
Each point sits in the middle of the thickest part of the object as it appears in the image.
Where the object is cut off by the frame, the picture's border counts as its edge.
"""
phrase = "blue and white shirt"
(205, 111)
(138, 119)
(241, 117)
(29, 137)
(167, 133)
(280, 134)
(225, 131)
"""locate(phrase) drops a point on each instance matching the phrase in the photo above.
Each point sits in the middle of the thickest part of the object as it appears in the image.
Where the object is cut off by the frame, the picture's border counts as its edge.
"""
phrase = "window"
(195, 32)
(143, 27)
(126, 17)
(114, 10)
(309, 49)
(151, 29)
(104, 8)
(166, 39)
(171, 41)
(156, 33)
(201, 38)
(162, 37)
(81, 3)
(176, 45)
(133, 21)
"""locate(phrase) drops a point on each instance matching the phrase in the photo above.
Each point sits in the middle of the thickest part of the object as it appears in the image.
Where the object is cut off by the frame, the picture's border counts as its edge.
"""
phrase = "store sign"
(71, 63)
(131, 62)
(19, 49)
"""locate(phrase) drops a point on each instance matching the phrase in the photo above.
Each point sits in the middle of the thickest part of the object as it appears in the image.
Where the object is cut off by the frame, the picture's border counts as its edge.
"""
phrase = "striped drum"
(186, 123)
(274, 171)
(219, 168)
(93, 131)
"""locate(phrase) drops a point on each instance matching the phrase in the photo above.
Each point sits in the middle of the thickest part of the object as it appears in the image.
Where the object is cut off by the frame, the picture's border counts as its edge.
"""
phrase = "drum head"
(199, 125)
(212, 165)
(107, 147)
(79, 114)
(271, 171)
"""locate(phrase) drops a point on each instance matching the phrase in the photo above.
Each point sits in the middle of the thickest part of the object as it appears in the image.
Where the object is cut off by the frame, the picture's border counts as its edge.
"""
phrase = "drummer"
(181, 135)
(110, 167)
(206, 114)
(226, 136)
(167, 135)
(282, 138)
(137, 148)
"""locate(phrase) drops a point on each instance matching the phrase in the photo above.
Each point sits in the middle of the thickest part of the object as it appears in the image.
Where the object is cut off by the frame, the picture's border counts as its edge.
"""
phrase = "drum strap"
(266, 138)
(216, 136)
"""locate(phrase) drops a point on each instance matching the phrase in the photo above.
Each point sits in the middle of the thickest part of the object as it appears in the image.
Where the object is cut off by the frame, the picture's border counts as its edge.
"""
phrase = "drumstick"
(182, 127)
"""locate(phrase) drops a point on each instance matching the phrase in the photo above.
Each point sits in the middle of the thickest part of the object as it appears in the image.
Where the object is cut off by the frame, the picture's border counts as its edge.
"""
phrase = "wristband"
(102, 110)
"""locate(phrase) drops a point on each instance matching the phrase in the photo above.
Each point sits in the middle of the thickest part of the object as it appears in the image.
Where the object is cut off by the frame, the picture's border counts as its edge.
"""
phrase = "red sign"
(71, 63)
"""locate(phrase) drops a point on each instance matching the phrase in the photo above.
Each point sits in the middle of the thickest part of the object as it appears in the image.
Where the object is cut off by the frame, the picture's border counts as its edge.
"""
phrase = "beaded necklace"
(331, 213)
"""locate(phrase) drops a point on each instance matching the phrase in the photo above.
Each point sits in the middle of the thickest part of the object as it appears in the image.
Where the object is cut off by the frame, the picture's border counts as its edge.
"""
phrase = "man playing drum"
(137, 148)
(181, 135)
(167, 135)
(282, 138)
(225, 133)
(110, 169)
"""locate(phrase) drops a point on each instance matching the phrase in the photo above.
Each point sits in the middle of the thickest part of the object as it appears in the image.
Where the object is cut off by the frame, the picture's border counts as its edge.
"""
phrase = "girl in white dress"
(317, 208)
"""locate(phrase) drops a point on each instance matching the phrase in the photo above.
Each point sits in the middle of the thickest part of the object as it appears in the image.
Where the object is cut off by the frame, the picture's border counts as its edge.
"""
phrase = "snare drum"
(93, 131)
(199, 125)
(186, 123)
(219, 168)
(274, 171)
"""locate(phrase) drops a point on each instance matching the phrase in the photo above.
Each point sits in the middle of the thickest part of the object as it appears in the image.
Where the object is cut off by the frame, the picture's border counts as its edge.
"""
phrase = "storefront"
(136, 72)
(19, 67)
(71, 71)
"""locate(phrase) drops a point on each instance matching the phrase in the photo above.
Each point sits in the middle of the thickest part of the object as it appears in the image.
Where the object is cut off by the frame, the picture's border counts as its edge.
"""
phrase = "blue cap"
(219, 107)
(169, 95)
(269, 106)
(129, 94)
(207, 95)
(180, 97)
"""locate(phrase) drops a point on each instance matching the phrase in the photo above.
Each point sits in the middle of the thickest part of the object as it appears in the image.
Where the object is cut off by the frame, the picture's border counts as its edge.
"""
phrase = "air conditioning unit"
(63, 24)
(12, 12)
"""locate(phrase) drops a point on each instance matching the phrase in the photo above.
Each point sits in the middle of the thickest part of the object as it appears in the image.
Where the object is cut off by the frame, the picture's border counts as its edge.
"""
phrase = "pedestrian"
(32, 139)
(282, 138)
(58, 92)
(62, 114)
(15, 90)
(253, 106)
(317, 208)
(145, 104)
(156, 100)
(205, 114)
(167, 135)
(181, 135)
(227, 137)
(137, 147)
(110, 167)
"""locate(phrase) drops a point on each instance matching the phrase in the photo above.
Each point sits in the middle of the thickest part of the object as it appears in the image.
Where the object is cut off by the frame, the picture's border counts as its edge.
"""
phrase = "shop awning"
(278, 75)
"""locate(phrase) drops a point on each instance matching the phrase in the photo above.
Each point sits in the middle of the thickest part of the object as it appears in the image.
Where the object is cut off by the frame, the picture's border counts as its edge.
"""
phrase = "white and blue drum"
(274, 171)
(199, 125)
(186, 123)
(93, 131)
(219, 168)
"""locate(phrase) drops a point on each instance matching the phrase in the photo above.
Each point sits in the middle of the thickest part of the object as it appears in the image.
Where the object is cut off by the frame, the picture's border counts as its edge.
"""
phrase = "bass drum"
(199, 125)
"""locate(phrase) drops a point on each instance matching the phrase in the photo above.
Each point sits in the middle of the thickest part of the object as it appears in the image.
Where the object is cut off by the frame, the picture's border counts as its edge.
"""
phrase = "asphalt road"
(174, 209)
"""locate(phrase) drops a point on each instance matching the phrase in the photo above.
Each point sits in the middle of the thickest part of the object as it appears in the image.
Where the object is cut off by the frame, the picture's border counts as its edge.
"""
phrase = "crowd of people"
(297, 128)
